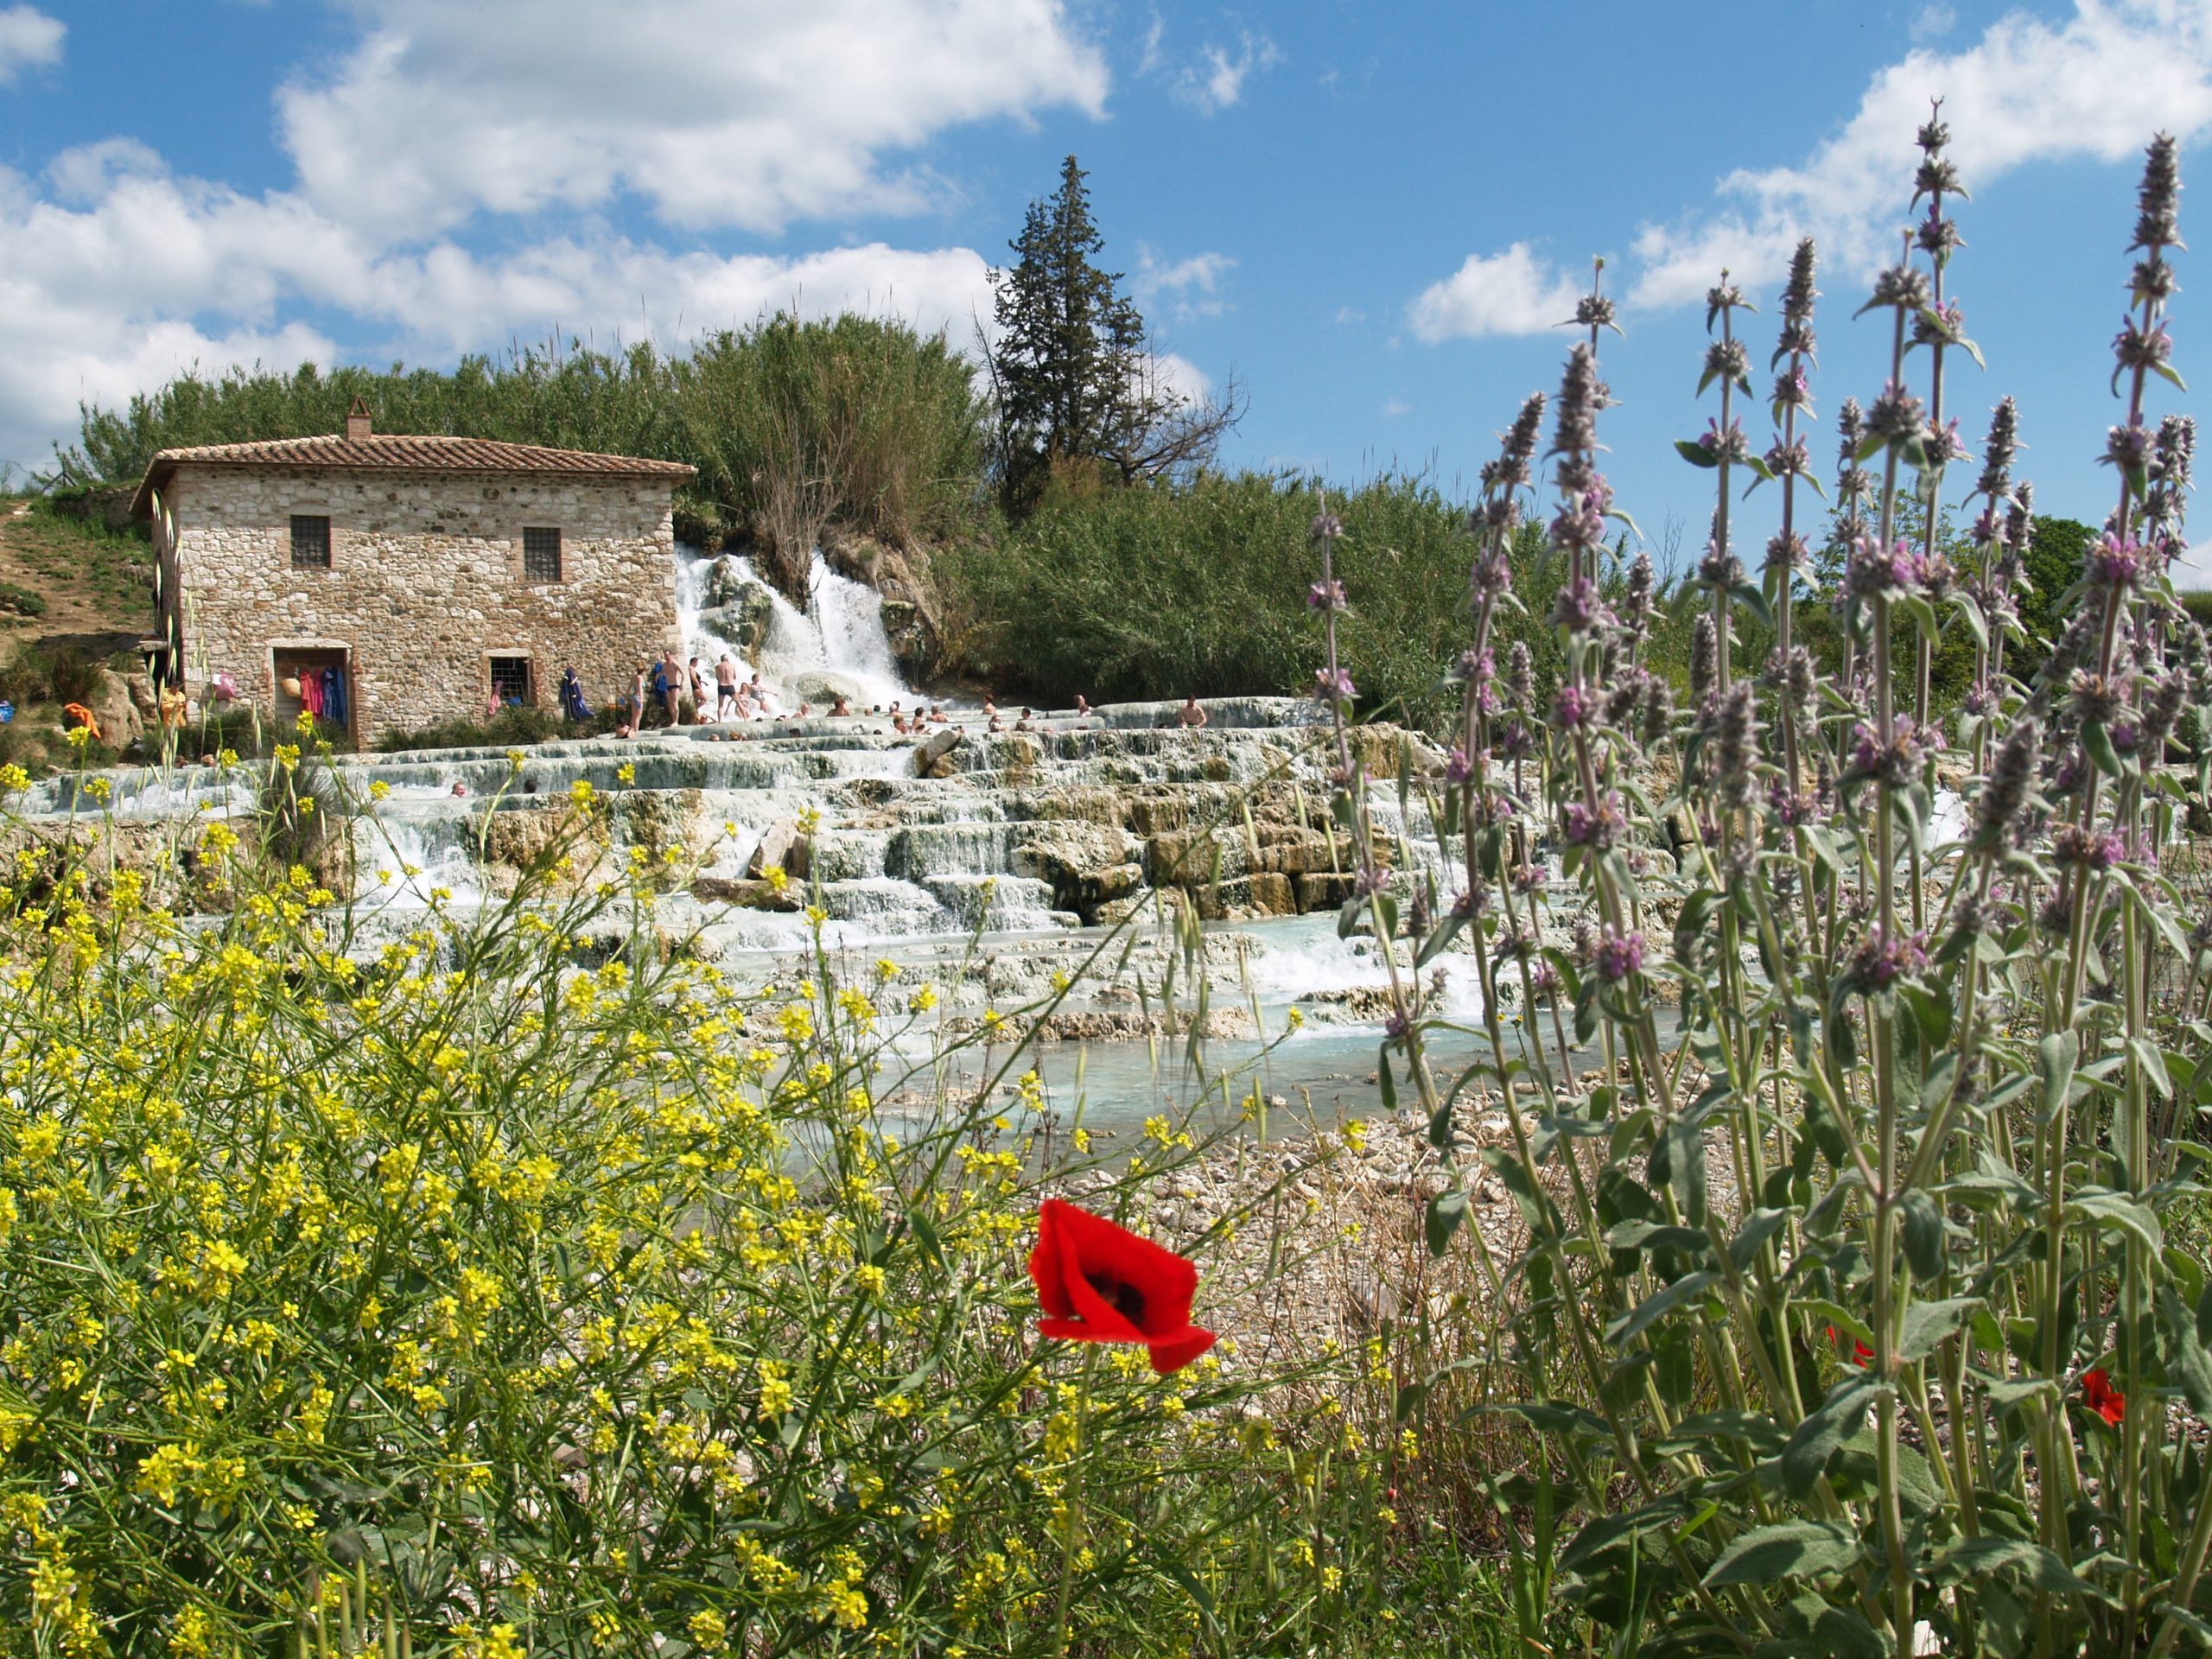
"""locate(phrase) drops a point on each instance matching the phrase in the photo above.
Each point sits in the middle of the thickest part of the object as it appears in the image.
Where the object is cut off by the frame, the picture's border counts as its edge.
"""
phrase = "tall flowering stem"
(1883, 573)
(1723, 448)
(1998, 537)
(1789, 461)
(1332, 686)
(1940, 327)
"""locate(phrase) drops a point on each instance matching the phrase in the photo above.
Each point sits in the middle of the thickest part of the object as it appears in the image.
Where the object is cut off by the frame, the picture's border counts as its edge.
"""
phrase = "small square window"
(541, 554)
(310, 542)
(510, 681)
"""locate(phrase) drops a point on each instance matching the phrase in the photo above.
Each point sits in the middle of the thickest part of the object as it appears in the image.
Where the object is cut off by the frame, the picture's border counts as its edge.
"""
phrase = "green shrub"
(509, 727)
(22, 601)
(1168, 590)
(60, 674)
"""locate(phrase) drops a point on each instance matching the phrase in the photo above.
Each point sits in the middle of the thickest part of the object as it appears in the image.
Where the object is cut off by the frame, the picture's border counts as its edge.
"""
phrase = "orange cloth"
(82, 716)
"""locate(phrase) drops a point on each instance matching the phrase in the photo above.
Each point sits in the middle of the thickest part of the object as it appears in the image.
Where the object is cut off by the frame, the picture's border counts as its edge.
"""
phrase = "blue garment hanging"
(333, 696)
(572, 696)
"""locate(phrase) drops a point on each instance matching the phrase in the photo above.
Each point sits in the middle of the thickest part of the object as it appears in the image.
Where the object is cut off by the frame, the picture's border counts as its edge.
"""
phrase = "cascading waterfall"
(838, 641)
(402, 863)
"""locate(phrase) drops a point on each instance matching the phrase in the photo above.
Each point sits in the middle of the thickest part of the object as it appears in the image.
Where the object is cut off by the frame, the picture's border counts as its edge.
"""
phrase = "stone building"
(402, 580)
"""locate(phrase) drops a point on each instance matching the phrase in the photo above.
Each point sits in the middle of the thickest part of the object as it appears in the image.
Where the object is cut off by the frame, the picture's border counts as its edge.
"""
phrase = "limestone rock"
(118, 717)
(913, 636)
(1088, 864)
(1243, 896)
(744, 620)
(748, 894)
(727, 578)
(786, 845)
(936, 746)
(826, 688)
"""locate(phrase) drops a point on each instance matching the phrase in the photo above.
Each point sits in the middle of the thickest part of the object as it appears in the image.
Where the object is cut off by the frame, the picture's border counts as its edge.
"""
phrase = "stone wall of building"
(425, 584)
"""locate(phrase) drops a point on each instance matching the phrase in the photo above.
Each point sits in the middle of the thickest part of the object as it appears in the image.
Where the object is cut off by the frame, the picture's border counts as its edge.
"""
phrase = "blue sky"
(1366, 214)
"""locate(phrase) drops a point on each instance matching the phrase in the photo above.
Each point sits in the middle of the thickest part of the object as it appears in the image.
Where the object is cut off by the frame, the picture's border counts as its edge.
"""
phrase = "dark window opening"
(541, 554)
(310, 542)
(510, 681)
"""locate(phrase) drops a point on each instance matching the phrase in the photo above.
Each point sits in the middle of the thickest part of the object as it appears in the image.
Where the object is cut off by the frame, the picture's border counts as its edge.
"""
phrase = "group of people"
(665, 686)
(668, 684)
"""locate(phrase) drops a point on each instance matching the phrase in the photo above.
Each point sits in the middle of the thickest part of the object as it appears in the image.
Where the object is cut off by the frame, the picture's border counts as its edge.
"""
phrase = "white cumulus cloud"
(29, 40)
(438, 118)
(1227, 69)
(119, 274)
(2097, 84)
(719, 112)
(1190, 288)
(1215, 79)
(1509, 293)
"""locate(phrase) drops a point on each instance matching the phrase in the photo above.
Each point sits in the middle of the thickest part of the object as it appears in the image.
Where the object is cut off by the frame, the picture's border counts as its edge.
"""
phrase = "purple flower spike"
(1333, 685)
(1619, 955)
(2115, 562)
(1574, 707)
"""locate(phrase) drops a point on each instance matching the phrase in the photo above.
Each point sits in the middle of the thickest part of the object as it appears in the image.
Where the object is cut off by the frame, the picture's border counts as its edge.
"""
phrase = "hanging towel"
(311, 692)
(329, 677)
(334, 697)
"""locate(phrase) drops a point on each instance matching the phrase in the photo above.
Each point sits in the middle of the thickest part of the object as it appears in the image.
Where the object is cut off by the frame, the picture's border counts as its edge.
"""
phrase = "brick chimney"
(357, 420)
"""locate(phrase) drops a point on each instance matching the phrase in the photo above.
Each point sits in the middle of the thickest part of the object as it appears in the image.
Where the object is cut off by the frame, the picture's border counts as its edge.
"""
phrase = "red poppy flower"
(2099, 1396)
(1098, 1282)
(1861, 1353)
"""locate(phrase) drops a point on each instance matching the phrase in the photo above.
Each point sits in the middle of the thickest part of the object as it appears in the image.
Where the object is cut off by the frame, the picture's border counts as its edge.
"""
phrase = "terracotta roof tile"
(399, 453)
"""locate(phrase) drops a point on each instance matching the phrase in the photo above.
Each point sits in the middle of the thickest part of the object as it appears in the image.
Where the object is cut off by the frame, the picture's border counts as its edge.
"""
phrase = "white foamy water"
(1947, 820)
(1304, 957)
(840, 632)
(400, 867)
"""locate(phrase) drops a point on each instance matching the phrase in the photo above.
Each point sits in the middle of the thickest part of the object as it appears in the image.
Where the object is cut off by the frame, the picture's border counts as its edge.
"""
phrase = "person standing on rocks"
(726, 706)
(698, 694)
(637, 701)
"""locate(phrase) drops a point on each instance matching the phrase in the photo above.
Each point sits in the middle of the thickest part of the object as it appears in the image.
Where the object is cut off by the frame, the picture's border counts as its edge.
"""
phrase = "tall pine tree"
(1078, 381)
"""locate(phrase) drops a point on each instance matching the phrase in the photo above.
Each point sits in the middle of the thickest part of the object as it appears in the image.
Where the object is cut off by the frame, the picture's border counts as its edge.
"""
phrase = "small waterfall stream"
(836, 644)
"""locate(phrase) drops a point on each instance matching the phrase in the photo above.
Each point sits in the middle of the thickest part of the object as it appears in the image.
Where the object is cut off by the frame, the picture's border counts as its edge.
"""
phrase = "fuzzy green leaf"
(1979, 1557)
(1926, 1324)
(2187, 1361)
(1924, 1234)
(1445, 1211)
(1655, 1307)
(1825, 1428)
(1795, 1549)
(2118, 1210)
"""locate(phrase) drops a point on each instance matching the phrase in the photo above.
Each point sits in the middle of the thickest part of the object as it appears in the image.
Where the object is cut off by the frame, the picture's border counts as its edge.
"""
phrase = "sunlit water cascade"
(989, 870)
(838, 641)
